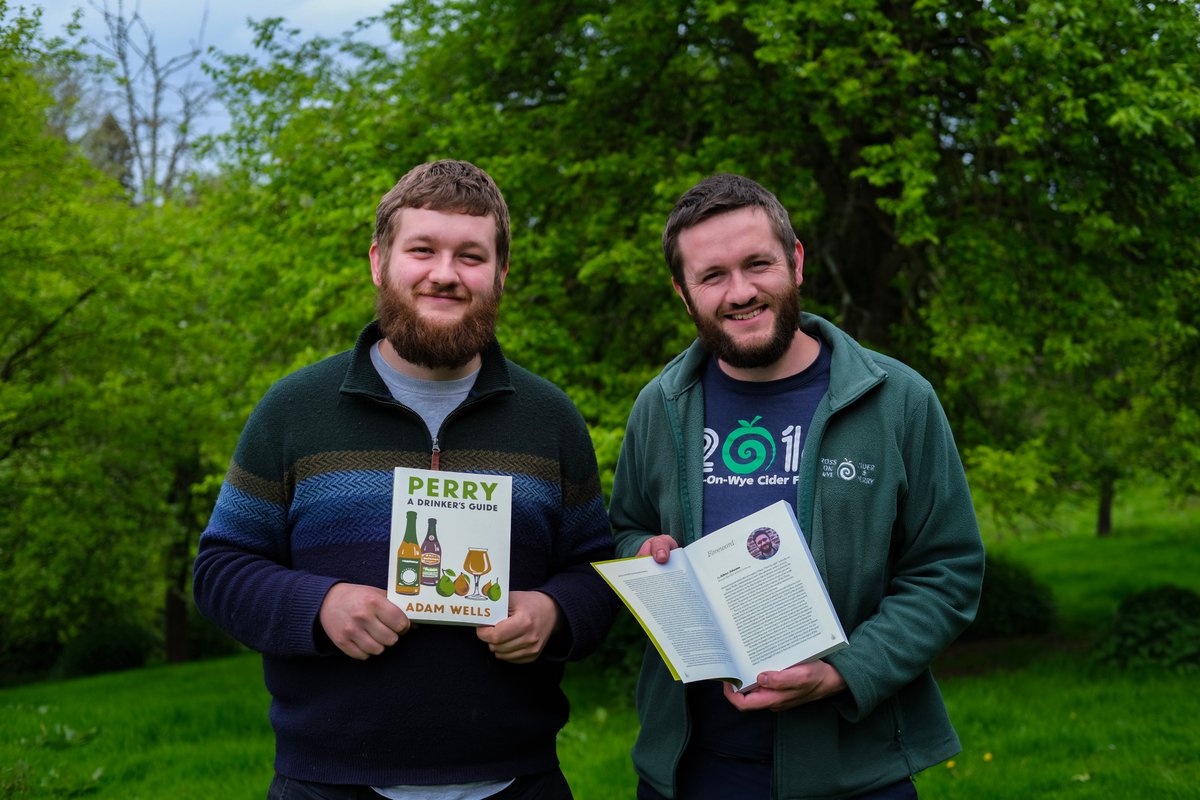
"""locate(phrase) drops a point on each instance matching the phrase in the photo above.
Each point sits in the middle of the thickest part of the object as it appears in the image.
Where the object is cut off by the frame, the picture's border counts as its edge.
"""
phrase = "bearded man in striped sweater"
(295, 558)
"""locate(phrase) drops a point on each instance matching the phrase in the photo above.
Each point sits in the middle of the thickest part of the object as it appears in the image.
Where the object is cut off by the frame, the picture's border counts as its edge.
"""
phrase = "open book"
(744, 599)
(450, 546)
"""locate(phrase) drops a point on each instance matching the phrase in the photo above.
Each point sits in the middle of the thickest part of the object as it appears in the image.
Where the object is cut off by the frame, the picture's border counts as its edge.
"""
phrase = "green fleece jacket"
(884, 504)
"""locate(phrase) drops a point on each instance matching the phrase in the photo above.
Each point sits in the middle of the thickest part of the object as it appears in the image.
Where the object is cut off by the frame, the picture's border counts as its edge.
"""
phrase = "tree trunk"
(178, 644)
(176, 603)
(1108, 490)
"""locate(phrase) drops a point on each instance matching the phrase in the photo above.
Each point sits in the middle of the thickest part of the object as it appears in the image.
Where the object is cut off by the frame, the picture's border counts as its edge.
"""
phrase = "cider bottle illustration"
(431, 556)
(408, 559)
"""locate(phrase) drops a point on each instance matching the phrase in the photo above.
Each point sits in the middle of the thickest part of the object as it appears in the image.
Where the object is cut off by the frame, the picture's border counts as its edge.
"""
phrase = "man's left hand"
(521, 637)
(782, 689)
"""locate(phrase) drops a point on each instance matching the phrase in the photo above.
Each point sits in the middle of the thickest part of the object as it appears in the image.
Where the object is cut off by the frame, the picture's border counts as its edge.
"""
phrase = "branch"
(11, 363)
(145, 83)
(18, 439)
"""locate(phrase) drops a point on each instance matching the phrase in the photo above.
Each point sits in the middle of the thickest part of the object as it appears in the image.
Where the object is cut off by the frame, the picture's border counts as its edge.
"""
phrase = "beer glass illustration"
(477, 563)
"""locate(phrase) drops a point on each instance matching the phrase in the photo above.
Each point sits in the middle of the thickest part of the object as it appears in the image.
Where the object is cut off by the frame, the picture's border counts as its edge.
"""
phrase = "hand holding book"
(524, 633)
(659, 546)
(744, 599)
(796, 685)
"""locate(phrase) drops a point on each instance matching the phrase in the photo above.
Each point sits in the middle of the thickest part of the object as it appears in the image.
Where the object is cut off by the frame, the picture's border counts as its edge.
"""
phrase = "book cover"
(449, 559)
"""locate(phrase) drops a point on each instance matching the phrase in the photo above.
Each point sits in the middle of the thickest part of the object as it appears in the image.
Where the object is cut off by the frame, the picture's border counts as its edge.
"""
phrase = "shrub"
(1158, 627)
(206, 640)
(27, 660)
(108, 647)
(620, 656)
(1014, 603)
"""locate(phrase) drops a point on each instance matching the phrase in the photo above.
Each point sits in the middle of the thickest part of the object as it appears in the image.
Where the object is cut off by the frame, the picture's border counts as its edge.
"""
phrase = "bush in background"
(108, 647)
(1158, 627)
(206, 640)
(24, 660)
(1014, 603)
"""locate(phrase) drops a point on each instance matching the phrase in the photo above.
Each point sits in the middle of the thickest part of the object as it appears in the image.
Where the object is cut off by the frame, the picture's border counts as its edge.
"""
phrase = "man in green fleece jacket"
(771, 403)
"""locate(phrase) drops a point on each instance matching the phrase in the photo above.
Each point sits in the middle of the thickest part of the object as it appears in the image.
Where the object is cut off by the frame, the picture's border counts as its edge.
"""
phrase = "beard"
(433, 344)
(786, 307)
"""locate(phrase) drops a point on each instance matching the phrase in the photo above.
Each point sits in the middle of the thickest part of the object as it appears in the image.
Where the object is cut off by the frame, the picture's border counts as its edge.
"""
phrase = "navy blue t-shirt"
(754, 435)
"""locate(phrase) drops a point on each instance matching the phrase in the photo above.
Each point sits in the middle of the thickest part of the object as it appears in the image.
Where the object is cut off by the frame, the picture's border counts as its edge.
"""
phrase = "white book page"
(770, 600)
(670, 606)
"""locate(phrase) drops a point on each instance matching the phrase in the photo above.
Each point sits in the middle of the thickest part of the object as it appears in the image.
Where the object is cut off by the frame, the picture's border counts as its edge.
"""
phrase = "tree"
(107, 394)
(109, 150)
(958, 173)
(62, 222)
(160, 101)
(1073, 265)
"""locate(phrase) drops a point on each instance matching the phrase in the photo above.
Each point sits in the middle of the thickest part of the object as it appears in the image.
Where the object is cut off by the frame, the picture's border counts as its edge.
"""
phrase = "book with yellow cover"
(450, 546)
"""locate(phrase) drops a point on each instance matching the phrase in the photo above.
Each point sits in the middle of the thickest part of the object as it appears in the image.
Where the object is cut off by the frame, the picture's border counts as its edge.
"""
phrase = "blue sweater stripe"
(237, 511)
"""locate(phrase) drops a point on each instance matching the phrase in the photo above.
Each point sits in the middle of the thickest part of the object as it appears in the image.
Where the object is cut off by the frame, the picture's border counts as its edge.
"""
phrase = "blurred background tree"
(1003, 195)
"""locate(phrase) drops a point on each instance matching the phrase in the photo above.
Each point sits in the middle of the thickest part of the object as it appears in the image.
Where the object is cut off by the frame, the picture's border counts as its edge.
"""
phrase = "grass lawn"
(188, 731)
(1036, 719)
(1057, 729)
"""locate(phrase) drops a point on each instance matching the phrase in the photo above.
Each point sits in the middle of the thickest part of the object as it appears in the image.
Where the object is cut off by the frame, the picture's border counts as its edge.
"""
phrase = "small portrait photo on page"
(763, 543)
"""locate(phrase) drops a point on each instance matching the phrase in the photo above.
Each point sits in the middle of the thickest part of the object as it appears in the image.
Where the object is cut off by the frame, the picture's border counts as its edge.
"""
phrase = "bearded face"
(433, 342)
(741, 287)
(785, 306)
(439, 287)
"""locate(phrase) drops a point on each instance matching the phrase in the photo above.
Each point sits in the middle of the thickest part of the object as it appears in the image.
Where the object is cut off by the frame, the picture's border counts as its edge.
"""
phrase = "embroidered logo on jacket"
(848, 470)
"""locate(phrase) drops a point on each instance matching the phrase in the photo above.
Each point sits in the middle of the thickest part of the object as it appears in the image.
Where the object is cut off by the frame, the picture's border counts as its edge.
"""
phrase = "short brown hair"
(720, 194)
(459, 187)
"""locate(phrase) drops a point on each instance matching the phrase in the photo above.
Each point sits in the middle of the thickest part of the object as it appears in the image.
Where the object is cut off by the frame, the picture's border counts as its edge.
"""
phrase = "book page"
(765, 591)
(670, 608)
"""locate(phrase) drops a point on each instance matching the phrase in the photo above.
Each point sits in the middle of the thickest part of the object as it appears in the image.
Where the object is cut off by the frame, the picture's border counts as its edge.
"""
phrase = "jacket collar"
(853, 372)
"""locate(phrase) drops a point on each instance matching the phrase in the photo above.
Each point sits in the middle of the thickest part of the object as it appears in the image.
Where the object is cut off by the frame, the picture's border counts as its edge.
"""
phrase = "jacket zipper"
(435, 455)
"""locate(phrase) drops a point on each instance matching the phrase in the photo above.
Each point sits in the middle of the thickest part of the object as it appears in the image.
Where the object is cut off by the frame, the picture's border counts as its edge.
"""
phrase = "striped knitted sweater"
(306, 503)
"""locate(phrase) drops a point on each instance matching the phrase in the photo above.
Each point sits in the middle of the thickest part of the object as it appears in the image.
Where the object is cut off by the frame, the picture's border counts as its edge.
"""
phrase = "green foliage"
(1013, 603)
(1153, 543)
(1075, 176)
(1004, 195)
(110, 389)
(621, 654)
(25, 657)
(108, 646)
(61, 275)
(978, 187)
(1011, 485)
(1158, 627)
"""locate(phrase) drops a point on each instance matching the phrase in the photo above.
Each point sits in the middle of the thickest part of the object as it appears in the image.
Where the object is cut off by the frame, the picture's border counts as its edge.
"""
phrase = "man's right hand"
(361, 621)
(658, 546)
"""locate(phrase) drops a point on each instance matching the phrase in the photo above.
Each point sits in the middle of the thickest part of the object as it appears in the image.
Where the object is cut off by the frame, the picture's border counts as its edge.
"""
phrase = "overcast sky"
(177, 23)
